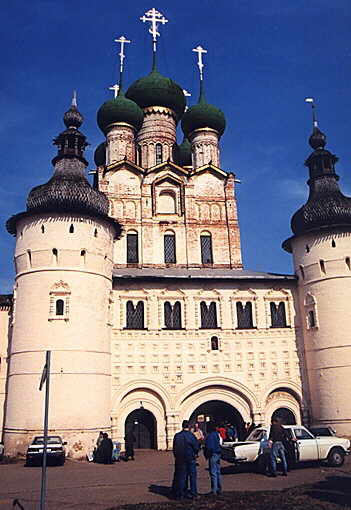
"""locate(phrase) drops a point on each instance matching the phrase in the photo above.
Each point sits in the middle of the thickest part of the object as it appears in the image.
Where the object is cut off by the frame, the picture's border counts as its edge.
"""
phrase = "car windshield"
(51, 440)
(256, 435)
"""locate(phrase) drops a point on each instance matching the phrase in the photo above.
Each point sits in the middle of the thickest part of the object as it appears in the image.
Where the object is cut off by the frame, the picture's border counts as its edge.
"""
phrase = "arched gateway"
(143, 424)
(220, 412)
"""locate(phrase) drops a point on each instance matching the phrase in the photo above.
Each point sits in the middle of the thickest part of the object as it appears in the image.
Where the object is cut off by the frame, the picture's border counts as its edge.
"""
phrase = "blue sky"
(263, 60)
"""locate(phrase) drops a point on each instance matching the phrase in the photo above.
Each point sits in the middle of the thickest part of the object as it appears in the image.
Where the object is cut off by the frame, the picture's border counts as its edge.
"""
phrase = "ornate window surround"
(60, 290)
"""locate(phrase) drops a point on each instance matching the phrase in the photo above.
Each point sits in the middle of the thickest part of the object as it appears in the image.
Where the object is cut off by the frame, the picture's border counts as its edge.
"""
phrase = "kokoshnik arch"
(136, 284)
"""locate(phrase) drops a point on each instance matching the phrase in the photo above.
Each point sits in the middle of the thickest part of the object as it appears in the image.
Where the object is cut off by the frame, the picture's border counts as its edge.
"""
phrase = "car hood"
(236, 444)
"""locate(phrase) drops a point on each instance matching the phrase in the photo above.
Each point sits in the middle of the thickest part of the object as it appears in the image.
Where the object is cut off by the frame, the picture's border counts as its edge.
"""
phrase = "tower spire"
(154, 17)
(317, 139)
(200, 51)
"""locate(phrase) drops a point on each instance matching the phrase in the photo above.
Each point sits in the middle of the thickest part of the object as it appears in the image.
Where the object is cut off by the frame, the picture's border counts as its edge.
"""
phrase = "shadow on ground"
(335, 489)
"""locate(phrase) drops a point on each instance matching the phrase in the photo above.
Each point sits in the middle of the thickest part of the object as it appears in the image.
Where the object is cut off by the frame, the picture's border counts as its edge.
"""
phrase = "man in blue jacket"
(185, 450)
(213, 455)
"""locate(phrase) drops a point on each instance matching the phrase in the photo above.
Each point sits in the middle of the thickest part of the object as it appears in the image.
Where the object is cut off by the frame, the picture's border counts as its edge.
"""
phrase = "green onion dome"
(157, 90)
(119, 109)
(184, 153)
(100, 154)
(203, 115)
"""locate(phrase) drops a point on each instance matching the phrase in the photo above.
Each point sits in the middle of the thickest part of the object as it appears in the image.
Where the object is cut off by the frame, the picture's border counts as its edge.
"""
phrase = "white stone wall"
(79, 273)
(322, 262)
(172, 372)
(5, 330)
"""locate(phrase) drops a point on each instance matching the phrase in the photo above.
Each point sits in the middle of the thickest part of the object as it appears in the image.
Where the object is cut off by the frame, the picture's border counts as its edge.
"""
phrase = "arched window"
(208, 315)
(135, 315)
(60, 307)
(278, 315)
(244, 315)
(173, 319)
(311, 319)
(214, 343)
(55, 255)
(139, 156)
(206, 248)
(158, 153)
(132, 248)
(169, 241)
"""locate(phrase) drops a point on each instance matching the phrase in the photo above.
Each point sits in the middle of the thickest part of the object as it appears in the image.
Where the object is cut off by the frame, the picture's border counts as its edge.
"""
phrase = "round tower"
(63, 261)
(321, 247)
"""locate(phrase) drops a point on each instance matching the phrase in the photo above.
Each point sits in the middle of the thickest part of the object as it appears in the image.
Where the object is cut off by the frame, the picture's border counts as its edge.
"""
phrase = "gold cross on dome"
(200, 51)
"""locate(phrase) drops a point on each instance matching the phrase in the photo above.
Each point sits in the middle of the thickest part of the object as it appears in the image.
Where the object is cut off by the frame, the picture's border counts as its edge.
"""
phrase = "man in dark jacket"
(129, 444)
(106, 447)
(213, 455)
(277, 436)
(185, 450)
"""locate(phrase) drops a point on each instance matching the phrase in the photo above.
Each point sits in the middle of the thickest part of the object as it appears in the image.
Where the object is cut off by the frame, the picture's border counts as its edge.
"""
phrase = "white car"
(310, 448)
(55, 451)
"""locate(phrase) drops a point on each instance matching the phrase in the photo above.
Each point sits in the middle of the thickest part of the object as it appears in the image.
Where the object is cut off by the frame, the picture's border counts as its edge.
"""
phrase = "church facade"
(136, 286)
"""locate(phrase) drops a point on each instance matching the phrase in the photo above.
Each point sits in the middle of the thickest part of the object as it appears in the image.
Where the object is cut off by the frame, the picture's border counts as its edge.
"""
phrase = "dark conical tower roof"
(68, 190)
(326, 206)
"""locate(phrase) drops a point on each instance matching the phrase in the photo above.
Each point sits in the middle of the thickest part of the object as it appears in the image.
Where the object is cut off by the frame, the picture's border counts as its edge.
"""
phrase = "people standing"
(277, 436)
(232, 434)
(213, 455)
(185, 450)
(106, 447)
(222, 432)
(129, 443)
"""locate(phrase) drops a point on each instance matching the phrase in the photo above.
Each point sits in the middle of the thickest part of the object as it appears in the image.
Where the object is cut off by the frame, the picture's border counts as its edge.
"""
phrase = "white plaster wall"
(80, 384)
(327, 345)
(5, 317)
(174, 371)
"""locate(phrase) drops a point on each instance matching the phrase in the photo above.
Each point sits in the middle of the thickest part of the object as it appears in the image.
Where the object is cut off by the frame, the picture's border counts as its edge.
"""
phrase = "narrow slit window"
(206, 249)
(158, 153)
(214, 343)
(42, 229)
(132, 248)
(333, 243)
(348, 263)
(95, 233)
(29, 254)
(169, 248)
(322, 266)
(139, 157)
(60, 307)
(71, 229)
(307, 248)
(311, 319)
(302, 271)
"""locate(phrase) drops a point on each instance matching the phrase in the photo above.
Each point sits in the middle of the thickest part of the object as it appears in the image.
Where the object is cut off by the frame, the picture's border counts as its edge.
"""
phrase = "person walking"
(185, 450)
(129, 444)
(276, 438)
(212, 453)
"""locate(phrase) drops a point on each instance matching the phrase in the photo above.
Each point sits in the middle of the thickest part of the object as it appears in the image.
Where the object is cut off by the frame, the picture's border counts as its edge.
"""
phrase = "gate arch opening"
(285, 415)
(219, 412)
(144, 426)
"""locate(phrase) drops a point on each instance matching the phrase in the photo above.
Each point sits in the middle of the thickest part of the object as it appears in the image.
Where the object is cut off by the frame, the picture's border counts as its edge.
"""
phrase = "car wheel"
(336, 457)
(61, 461)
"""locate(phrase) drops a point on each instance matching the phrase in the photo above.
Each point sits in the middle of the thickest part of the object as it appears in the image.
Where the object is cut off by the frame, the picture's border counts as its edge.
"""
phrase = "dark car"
(56, 453)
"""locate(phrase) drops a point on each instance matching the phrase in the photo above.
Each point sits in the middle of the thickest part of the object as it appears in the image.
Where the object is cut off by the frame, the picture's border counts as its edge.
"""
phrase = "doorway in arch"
(220, 413)
(143, 423)
(285, 415)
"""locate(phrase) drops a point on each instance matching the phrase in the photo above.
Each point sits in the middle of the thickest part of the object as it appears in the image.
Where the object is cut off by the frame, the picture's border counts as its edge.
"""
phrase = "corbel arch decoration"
(59, 301)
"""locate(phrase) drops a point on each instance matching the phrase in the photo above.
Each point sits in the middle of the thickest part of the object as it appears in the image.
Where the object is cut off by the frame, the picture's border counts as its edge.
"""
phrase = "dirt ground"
(83, 485)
